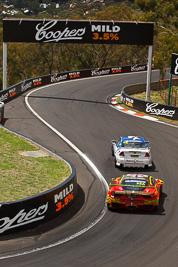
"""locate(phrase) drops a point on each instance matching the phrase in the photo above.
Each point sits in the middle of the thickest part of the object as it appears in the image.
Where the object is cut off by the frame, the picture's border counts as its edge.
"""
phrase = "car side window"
(153, 181)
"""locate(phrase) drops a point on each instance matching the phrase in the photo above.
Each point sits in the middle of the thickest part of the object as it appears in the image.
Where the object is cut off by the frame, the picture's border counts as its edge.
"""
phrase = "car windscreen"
(130, 144)
(134, 184)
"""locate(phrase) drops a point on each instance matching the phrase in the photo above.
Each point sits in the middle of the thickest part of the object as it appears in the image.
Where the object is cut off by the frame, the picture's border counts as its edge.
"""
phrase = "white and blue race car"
(131, 151)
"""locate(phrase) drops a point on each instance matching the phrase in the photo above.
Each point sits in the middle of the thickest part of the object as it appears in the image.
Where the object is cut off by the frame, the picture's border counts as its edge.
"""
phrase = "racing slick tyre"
(115, 164)
(112, 151)
(156, 208)
(161, 190)
(108, 206)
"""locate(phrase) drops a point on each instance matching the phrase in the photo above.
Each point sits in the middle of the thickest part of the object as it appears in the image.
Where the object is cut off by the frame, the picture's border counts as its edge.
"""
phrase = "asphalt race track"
(79, 110)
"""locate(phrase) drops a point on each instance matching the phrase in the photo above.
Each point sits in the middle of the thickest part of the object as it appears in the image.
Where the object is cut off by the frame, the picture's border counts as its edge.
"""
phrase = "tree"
(164, 14)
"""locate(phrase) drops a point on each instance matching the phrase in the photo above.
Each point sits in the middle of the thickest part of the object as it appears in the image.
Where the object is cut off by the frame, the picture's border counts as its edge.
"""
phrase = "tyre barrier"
(148, 107)
(37, 209)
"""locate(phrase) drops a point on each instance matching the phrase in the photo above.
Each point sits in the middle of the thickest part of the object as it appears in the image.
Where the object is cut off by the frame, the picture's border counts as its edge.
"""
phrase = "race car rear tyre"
(112, 151)
(156, 208)
(115, 163)
(161, 189)
(108, 206)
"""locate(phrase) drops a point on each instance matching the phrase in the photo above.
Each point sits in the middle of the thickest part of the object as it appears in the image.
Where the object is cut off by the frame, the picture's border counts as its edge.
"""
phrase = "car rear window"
(127, 144)
(134, 184)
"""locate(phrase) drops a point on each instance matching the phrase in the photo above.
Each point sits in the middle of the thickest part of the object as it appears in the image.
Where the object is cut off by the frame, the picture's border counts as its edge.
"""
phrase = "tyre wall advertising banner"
(15, 90)
(148, 107)
(33, 211)
(77, 31)
(151, 108)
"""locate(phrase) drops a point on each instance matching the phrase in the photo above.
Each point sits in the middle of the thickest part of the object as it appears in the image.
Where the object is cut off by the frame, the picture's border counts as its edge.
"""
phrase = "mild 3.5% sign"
(105, 36)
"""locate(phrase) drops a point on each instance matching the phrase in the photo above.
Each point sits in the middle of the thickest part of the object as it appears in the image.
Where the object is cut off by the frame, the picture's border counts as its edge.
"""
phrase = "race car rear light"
(122, 154)
(113, 193)
(147, 155)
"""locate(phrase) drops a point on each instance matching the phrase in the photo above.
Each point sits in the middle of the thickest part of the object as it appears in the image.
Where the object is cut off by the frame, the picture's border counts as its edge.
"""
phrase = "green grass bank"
(25, 169)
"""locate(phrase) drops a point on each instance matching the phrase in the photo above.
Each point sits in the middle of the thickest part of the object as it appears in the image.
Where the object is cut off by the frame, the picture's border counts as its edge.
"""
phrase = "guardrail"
(151, 108)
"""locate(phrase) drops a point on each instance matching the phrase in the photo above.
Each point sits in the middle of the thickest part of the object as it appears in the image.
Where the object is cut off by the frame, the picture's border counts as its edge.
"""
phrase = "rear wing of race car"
(127, 185)
(132, 194)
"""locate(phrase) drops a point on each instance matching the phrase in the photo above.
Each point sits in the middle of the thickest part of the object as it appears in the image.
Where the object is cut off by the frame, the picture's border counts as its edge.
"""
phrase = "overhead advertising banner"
(174, 64)
(77, 31)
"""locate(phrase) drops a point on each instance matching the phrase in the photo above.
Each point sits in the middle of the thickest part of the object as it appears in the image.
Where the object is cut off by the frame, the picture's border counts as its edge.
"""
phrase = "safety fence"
(164, 91)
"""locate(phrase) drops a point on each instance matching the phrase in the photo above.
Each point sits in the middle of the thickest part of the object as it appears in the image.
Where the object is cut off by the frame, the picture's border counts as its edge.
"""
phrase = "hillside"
(30, 60)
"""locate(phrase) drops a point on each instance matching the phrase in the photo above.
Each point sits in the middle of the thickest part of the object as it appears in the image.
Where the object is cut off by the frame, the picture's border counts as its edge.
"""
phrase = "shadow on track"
(71, 99)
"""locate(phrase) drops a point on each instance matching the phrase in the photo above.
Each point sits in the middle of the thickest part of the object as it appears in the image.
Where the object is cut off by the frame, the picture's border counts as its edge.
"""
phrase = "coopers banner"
(151, 108)
(74, 31)
(17, 89)
(174, 64)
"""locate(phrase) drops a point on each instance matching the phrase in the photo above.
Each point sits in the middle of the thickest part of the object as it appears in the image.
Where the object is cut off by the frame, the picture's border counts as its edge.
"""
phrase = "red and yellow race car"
(134, 191)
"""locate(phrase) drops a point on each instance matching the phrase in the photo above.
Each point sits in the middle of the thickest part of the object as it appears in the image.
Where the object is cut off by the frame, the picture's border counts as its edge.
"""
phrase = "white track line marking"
(102, 179)
(90, 163)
